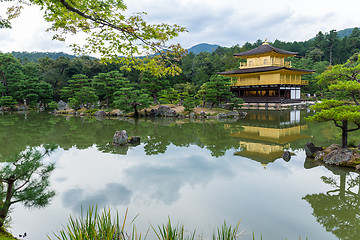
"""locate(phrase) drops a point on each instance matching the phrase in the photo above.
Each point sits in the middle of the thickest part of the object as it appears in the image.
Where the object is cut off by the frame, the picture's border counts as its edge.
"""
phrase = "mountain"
(34, 56)
(203, 47)
(345, 32)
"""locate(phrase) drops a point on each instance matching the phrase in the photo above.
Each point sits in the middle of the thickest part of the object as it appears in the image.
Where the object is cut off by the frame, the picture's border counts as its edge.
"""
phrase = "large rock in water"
(63, 105)
(100, 114)
(311, 150)
(120, 138)
(286, 156)
(338, 156)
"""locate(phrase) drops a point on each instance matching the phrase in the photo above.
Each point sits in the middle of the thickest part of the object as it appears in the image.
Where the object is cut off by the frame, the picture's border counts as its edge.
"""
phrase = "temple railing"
(284, 64)
(256, 82)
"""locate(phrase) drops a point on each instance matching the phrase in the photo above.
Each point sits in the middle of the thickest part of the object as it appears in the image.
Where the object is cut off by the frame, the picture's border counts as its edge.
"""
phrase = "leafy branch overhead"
(116, 37)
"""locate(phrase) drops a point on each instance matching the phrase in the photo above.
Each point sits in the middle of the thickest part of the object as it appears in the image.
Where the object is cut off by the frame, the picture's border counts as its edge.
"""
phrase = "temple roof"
(264, 48)
(263, 69)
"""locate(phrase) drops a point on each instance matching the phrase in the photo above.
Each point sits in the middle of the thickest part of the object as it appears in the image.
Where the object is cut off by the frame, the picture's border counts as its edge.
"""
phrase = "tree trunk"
(6, 205)
(107, 102)
(344, 134)
(136, 112)
(155, 99)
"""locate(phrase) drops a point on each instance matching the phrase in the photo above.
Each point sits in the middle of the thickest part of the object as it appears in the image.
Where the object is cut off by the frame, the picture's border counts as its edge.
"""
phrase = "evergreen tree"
(25, 178)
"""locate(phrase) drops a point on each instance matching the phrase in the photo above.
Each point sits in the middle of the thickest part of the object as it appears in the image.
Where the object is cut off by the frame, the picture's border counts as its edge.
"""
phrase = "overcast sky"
(223, 22)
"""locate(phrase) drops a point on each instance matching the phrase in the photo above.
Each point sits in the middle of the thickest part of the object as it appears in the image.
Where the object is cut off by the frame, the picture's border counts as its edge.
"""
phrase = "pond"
(197, 173)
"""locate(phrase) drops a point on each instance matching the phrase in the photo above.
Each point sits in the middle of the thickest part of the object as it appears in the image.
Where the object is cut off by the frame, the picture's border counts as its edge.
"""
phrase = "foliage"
(130, 99)
(106, 84)
(227, 232)
(25, 178)
(168, 232)
(341, 113)
(7, 101)
(80, 91)
(111, 33)
(97, 226)
(235, 102)
(217, 90)
(153, 84)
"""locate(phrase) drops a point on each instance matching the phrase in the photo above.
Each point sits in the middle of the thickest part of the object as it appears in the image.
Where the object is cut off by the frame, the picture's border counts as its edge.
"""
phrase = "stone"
(222, 115)
(203, 114)
(63, 105)
(134, 140)
(162, 109)
(242, 114)
(286, 156)
(120, 137)
(170, 113)
(232, 114)
(100, 114)
(338, 156)
(154, 113)
(192, 115)
(311, 150)
(357, 167)
(120, 114)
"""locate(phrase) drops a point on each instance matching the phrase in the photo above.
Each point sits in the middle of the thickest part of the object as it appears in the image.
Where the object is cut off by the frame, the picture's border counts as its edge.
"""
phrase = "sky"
(222, 22)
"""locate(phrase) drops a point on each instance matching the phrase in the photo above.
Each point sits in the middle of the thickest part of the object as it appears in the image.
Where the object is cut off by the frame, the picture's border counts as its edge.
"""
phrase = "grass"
(97, 225)
(4, 235)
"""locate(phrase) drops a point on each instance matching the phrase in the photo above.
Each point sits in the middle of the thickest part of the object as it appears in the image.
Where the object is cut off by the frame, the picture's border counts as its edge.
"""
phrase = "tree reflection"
(338, 210)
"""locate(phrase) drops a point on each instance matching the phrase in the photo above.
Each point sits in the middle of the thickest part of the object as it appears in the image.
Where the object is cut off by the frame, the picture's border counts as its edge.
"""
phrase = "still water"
(197, 173)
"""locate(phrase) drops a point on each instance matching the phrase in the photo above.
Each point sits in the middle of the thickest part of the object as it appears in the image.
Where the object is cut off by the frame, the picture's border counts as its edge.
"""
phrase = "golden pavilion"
(266, 77)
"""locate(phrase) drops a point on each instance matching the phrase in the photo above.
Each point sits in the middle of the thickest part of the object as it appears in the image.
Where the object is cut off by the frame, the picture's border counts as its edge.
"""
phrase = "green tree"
(217, 90)
(345, 116)
(106, 84)
(7, 101)
(111, 32)
(25, 178)
(80, 91)
(154, 84)
(169, 96)
(131, 99)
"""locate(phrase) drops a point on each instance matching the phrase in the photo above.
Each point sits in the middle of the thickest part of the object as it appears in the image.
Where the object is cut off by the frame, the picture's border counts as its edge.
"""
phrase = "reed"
(97, 226)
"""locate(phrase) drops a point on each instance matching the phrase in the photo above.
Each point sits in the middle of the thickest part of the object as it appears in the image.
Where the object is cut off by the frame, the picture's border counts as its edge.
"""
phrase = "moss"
(4, 235)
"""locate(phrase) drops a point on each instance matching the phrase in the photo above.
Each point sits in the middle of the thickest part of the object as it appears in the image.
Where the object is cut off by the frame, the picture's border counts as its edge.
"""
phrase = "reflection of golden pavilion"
(266, 144)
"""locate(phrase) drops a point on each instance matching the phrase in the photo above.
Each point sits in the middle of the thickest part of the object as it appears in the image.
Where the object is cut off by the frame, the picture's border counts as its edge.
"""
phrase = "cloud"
(113, 194)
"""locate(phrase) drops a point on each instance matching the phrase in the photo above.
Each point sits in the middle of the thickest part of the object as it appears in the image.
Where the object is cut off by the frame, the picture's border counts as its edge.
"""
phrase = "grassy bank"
(4, 235)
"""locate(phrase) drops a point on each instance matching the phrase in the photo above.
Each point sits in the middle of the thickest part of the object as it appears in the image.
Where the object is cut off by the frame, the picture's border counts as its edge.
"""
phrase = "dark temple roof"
(262, 69)
(265, 48)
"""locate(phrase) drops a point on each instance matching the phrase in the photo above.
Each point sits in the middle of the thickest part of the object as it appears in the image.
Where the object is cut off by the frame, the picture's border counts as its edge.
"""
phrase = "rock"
(134, 140)
(120, 114)
(357, 167)
(170, 113)
(154, 113)
(162, 109)
(332, 148)
(63, 105)
(311, 150)
(203, 114)
(232, 114)
(242, 114)
(82, 114)
(286, 156)
(192, 115)
(120, 137)
(221, 115)
(100, 114)
(338, 156)
(181, 116)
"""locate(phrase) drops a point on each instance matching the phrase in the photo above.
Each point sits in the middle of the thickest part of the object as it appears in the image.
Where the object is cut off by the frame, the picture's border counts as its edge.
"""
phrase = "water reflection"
(266, 134)
(184, 169)
(338, 209)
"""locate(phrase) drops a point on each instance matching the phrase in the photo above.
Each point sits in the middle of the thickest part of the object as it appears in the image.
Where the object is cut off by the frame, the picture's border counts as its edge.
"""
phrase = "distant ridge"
(345, 32)
(203, 47)
(34, 56)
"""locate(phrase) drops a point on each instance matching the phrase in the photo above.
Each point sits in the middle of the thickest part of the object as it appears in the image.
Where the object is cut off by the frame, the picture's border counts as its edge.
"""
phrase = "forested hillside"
(81, 80)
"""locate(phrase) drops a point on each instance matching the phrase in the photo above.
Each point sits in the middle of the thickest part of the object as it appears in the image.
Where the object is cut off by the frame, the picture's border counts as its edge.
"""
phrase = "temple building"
(266, 77)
